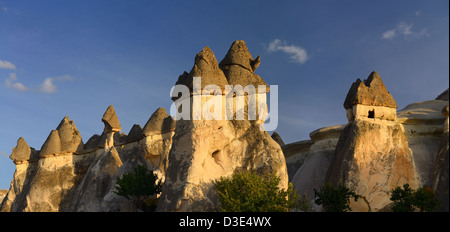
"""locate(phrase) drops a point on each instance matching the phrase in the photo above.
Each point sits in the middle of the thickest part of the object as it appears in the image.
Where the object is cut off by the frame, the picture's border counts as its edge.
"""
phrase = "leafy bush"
(247, 191)
(334, 199)
(408, 200)
(138, 185)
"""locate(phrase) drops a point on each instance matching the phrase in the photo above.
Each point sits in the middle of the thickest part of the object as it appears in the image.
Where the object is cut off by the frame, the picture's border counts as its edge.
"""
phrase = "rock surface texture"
(204, 150)
(67, 175)
(372, 156)
(377, 150)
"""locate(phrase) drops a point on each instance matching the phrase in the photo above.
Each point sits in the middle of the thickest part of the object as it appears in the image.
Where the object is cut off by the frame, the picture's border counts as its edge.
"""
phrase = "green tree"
(403, 199)
(334, 199)
(138, 185)
(247, 191)
(409, 200)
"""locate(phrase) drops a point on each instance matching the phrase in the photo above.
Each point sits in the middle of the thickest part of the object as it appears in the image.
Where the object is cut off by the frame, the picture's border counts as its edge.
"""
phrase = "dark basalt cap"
(371, 92)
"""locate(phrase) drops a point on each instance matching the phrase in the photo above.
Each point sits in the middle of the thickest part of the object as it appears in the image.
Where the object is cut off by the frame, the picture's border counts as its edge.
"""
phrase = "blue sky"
(76, 58)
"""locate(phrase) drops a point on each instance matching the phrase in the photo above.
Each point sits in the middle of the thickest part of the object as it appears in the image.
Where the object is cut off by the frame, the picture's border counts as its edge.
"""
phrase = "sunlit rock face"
(68, 175)
(372, 156)
(205, 150)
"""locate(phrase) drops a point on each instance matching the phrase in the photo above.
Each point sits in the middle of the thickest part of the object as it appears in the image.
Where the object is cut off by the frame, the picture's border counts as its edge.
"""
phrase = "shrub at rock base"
(247, 191)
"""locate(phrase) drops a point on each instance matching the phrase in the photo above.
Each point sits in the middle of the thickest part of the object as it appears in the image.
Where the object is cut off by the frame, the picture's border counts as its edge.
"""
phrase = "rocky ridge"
(67, 175)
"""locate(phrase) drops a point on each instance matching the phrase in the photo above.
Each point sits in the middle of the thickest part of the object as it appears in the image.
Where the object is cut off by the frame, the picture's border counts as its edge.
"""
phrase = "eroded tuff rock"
(370, 92)
(23, 153)
(71, 176)
(310, 159)
(422, 122)
(96, 183)
(207, 68)
(204, 150)
(424, 126)
(372, 156)
(239, 66)
(111, 121)
(159, 122)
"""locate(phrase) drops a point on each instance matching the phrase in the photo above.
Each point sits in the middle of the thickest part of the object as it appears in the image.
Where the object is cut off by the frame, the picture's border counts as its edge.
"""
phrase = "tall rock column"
(372, 156)
(95, 185)
(204, 150)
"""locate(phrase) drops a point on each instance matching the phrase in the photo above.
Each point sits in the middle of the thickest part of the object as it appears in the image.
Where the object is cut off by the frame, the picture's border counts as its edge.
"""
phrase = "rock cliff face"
(377, 150)
(67, 175)
(204, 150)
(308, 165)
(372, 155)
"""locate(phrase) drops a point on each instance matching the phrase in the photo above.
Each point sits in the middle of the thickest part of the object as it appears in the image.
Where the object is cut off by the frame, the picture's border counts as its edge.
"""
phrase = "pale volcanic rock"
(312, 163)
(372, 156)
(422, 122)
(96, 183)
(67, 178)
(3, 194)
(205, 150)
(113, 202)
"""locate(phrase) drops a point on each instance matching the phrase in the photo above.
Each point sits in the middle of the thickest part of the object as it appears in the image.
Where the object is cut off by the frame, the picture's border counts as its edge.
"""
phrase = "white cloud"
(12, 83)
(418, 13)
(7, 65)
(405, 30)
(47, 86)
(297, 54)
(389, 34)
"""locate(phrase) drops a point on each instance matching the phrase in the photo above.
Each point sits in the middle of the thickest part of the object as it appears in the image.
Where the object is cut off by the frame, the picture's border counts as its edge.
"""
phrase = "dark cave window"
(371, 113)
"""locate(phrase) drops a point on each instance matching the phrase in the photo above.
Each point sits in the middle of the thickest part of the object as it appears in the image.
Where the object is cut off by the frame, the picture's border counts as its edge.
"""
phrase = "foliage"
(138, 185)
(335, 199)
(247, 191)
(408, 200)
(297, 202)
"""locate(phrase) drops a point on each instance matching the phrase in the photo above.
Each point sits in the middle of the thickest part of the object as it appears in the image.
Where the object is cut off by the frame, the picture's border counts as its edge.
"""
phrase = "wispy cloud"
(405, 30)
(47, 85)
(4, 154)
(7, 65)
(297, 54)
(13, 83)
